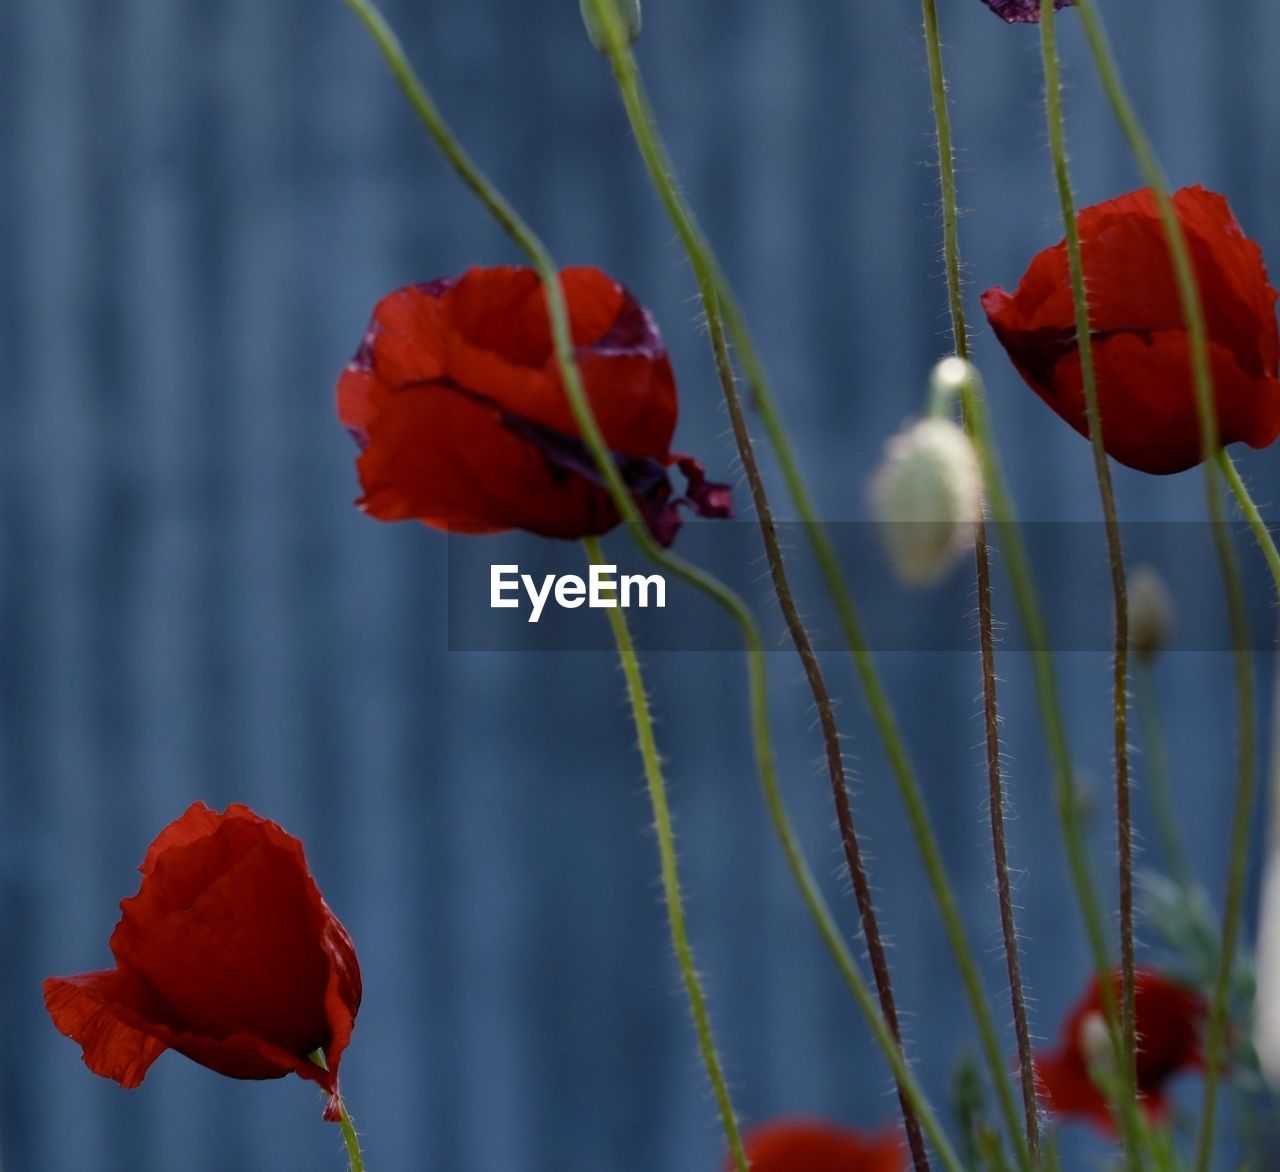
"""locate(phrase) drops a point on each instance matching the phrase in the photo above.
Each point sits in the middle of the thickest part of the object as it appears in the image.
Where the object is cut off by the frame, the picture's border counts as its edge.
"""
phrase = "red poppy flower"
(1140, 351)
(810, 1145)
(1022, 11)
(455, 400)
(227, 954)
(1169, 1017)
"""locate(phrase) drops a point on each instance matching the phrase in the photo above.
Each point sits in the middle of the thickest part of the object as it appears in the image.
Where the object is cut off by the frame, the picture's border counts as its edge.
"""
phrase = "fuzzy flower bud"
(1150, 613)
(927, 496)
(1094, 1041)
(628, 14)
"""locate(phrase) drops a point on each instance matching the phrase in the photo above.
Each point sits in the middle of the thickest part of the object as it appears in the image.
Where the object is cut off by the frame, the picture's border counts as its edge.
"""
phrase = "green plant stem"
(355, 1158)
(617, 45)
(714, 290)
(1257, 526)
(1029, 1150)
(1066, 791)
(1115, 548)
(670, 868)
(1202, 377)
(1158, 781)
(471, 175)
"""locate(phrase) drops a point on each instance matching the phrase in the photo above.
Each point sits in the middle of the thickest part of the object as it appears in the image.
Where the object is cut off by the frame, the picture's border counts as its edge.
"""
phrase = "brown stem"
(826, 712)
(995, 800)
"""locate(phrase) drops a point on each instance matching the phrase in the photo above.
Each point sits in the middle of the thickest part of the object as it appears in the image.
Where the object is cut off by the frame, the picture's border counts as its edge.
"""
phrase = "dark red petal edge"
(646, 477)
(1021, 11)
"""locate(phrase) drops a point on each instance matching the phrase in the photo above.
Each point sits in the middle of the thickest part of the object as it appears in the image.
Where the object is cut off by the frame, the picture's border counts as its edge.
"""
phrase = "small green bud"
(627, 12)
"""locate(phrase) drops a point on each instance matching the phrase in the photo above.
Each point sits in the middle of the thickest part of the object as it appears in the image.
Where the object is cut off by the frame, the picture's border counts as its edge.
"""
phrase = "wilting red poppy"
(1145, 392)
(455, 400)
(227, 954)
(810, 1145)
(1022, 11)
(1168, 1017)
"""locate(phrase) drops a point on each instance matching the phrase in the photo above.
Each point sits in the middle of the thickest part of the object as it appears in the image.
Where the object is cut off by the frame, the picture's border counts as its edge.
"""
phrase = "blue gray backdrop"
(199, 205)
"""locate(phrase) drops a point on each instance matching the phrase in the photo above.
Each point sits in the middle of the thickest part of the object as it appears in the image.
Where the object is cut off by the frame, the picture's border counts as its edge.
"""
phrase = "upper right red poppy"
(1140, 347)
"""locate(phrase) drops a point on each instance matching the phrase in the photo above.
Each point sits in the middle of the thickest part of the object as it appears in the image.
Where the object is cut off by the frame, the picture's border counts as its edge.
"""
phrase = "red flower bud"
(227, 954)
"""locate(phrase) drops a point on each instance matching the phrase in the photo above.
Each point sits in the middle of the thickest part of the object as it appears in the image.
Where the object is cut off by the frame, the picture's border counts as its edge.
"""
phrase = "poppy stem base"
(355, 1158)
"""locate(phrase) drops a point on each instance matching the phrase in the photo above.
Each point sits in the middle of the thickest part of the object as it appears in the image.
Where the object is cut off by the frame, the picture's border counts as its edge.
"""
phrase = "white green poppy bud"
(927, 497)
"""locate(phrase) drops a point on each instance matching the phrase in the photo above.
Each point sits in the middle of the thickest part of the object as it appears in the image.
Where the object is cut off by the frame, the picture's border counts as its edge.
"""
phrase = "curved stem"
(670, 868)
(426, 110)
(712, 287)
(1115, 548)
(659, 168)
(1257, 526)
(1202, 377)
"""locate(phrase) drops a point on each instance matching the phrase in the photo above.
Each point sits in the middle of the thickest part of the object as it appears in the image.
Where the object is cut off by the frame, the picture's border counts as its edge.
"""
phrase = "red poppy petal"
(1218, 239)
(624, 367)
(197, 822)
(811, 1145)
(407, 340)
(503, 311)
(633, 398)
(227, 930)
(1064, 1087)
(1147, 400)
(448, 460)
(94, 1010)
(343, 993)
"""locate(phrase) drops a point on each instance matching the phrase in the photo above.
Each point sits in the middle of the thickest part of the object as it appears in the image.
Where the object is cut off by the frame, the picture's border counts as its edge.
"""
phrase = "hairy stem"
(1029, 1152)
(1257, 526)
(660, 170)
(471, 175)
(670, 868)
(1115, 548)
(1202, 377)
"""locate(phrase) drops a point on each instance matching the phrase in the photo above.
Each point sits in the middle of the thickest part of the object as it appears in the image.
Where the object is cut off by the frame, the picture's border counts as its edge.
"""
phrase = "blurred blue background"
(200, 204)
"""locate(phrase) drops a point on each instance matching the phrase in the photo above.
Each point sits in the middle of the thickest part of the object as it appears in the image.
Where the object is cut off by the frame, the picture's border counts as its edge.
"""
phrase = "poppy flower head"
(810, 1145)
(1022, 11)
(1141, 353)
(1169, 1018)
(228, 954)
(455, 399)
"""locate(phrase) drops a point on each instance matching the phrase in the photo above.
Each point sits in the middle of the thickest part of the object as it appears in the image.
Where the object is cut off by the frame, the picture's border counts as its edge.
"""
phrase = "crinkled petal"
(100, 1011)
(228, 930)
